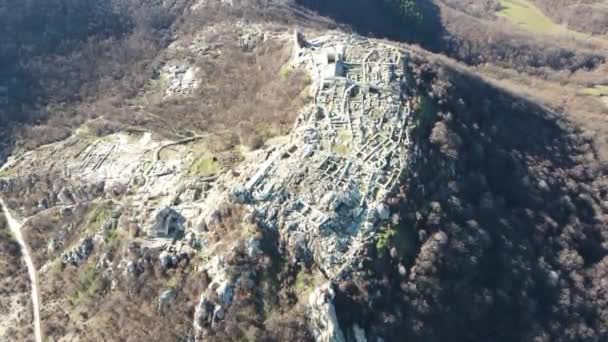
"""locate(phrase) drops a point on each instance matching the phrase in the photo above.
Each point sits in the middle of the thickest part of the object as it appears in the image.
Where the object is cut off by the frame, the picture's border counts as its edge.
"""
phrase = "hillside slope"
(264, 183)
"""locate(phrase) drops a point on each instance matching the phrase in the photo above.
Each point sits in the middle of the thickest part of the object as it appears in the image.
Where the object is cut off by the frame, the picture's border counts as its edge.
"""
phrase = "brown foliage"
(590, 16)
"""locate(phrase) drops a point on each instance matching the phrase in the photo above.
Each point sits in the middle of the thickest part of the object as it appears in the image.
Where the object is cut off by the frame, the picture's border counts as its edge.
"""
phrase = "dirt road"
(15, 227)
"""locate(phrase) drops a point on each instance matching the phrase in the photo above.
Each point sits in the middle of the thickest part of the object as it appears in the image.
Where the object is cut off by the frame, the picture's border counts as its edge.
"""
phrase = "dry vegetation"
(590, 16)
(65, 227)
(90, 50)
(557, 72)
(476, 41)
(98, 72)
(81, 301)
(88, 306)
(14, 284)
(252, 94)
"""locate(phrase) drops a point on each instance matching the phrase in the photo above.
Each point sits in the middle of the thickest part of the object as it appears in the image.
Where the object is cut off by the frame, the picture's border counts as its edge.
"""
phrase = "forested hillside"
(55, 55)
(410, 20)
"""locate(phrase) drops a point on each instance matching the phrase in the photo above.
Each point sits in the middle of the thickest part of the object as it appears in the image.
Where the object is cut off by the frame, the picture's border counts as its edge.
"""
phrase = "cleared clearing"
(530, 17)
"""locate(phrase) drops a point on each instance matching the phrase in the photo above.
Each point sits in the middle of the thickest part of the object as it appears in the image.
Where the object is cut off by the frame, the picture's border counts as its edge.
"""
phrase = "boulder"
(383, 212)
(166, 222)
(65, 197)
(165, 299)
(78, 254)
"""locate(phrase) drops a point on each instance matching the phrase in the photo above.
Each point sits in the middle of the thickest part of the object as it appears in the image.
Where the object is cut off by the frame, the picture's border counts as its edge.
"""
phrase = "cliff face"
(409, 200)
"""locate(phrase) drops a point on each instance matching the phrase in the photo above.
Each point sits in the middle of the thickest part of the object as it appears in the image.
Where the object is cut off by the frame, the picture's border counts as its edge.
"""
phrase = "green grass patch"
(403, 240)
(424, 117)
(5, 173)
(114, 238)
(96, 217)
(285, 71)
(598, 90)
(343, 146)
(205, 166)
(526, 15)
(385, 238)
(90, 283)
(305, 282)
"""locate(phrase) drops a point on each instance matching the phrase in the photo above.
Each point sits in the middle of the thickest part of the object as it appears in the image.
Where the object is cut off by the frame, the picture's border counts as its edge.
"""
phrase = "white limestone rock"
(165, 299)
(181, 79)
(322, 314)
(78, 254)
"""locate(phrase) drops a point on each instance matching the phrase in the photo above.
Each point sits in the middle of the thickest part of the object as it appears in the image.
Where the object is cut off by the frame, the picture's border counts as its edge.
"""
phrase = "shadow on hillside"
(375, 19)
(511, 234)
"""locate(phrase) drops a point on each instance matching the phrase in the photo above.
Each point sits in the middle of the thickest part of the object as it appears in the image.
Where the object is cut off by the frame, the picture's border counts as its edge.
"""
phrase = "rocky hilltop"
(409, 200)
(322, 190)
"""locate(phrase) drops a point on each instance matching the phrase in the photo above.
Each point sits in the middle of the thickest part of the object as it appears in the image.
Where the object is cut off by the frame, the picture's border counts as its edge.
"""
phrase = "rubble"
(171, 255)
(218, 296)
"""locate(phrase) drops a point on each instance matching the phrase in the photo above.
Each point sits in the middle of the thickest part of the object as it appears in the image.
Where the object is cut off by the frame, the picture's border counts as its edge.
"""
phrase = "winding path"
(15, 227)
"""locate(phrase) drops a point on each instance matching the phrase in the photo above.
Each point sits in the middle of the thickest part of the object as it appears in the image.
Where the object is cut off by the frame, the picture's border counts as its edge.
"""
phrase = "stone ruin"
(326, 189)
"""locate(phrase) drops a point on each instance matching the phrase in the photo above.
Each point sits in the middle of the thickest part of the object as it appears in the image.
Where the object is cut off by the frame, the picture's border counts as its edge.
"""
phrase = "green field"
(205, 167)
(598, 90)
(528, 16)
(342, 147)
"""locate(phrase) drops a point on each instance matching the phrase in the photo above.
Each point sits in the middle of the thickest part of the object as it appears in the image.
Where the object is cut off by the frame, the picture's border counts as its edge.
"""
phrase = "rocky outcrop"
(165, 299)
(217, 298)
(322, 315)
(325, 190)
(78, 254)
(180, 78)
(321, 194)
(166, 222)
